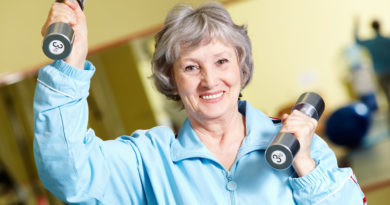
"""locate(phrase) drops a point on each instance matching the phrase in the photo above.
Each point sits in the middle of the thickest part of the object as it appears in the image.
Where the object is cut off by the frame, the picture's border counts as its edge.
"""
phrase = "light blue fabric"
(153, 167)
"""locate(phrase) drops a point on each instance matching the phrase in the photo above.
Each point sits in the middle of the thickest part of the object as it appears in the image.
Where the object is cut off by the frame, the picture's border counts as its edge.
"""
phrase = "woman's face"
(208, 80)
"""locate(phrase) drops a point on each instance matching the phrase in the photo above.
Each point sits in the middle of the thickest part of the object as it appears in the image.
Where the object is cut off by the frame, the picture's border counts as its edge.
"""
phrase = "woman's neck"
(223, 136)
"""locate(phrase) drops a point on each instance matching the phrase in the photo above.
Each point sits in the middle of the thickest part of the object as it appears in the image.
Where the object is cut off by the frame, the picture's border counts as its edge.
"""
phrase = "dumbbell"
(281, 152)
(58, 40)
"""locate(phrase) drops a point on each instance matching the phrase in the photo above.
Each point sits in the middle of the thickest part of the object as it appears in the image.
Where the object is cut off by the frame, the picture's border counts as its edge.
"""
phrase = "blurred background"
(298, 46)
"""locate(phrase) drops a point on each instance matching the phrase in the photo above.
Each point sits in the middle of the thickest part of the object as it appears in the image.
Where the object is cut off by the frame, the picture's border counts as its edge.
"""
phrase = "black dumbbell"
(58, 40)
(281, 152)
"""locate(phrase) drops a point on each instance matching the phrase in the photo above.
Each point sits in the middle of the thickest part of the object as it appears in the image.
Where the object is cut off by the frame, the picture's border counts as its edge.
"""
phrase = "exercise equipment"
(281, 152)
(348, 125)
(58, 40)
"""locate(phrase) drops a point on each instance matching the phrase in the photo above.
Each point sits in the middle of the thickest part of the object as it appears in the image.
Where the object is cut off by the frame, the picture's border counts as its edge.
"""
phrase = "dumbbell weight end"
(57, 43)
(283, 150)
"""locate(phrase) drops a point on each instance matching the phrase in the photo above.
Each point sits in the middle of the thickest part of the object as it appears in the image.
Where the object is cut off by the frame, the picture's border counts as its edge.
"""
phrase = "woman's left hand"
(303, 127)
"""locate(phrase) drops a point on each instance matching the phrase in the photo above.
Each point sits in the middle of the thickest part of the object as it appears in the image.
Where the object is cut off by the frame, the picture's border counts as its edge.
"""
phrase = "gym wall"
(299, 46)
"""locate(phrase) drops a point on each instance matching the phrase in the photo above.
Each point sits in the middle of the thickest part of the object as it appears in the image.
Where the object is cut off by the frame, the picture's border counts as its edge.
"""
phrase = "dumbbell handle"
(58, 40)
(281, 152)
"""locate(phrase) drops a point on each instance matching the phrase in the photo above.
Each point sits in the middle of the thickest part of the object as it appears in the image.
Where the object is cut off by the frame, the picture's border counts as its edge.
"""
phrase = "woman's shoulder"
(149, 144)
(154, 136)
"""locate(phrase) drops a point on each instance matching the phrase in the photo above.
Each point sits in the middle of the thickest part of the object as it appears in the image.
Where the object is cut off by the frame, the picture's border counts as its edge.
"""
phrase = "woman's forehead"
(188, 47)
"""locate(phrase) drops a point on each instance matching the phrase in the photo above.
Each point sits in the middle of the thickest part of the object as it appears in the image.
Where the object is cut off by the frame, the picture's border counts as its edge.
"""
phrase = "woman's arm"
(74, 164)
(62, 142)
(326, 184)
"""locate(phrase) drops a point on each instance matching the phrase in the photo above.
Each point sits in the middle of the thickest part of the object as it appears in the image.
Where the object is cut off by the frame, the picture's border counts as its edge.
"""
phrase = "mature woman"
(203, 60)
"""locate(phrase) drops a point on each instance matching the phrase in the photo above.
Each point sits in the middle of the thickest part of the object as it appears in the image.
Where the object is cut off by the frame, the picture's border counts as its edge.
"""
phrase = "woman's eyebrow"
(222, 53)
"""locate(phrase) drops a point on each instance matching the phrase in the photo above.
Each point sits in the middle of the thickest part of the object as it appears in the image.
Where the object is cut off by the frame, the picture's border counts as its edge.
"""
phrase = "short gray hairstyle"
(185, 25)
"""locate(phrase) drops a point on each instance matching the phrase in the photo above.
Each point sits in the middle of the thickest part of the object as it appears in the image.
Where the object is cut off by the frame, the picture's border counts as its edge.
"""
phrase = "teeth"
(209, 97)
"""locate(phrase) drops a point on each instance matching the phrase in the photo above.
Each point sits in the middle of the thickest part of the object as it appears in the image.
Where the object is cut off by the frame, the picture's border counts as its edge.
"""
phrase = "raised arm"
(72, 162)
(356, 31)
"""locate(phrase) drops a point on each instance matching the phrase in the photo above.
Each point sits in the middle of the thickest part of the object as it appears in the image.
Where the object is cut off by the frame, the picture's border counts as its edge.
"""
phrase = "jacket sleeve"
(327, 184)
(74, 164)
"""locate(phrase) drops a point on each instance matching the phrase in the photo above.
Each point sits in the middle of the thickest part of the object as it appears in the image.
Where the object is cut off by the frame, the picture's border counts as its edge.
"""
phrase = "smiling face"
(208, 80)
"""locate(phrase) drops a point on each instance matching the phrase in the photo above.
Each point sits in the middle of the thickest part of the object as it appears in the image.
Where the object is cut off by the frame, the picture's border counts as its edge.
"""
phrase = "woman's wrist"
(77, 61)
(304, 165)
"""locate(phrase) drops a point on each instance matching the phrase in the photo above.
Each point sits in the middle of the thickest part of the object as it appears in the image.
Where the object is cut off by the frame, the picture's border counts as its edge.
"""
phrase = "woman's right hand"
(70, 12)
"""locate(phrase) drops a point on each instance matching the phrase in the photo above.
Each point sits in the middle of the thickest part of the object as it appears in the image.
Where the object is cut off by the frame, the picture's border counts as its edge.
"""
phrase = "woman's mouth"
(211, 96)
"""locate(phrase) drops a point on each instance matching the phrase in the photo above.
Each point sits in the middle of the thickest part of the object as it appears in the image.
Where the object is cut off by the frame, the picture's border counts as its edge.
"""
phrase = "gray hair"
(185, 25)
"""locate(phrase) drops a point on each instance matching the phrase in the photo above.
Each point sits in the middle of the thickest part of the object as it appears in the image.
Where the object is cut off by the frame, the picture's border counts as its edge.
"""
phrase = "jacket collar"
(260, 131)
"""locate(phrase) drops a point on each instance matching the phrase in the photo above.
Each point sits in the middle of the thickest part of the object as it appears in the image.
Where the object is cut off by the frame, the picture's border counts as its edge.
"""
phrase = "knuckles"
(59, 12)
(299, 124)
(60, 9)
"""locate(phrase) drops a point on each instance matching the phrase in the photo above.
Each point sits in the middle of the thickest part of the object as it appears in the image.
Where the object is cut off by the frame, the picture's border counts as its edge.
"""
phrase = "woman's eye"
(189, 68)
(222, 61)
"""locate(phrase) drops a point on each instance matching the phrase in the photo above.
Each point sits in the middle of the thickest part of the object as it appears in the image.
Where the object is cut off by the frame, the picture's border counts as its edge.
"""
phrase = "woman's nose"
(209, 78)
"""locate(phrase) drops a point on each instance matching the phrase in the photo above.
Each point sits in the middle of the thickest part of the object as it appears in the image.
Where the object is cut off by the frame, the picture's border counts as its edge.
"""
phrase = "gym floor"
(371, 162)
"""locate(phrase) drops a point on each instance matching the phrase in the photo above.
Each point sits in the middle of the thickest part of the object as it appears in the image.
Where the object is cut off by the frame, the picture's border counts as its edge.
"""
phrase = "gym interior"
(298, 46)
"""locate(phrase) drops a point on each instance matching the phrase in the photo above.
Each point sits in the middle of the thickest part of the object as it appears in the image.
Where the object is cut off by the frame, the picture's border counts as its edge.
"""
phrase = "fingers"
(69, 12)
(71, 3)
(302, 127)
(299, 124)
(61, 12)
(81, 24)
(284, 117)
(74, 5)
